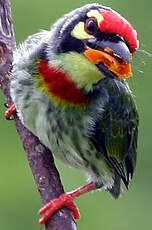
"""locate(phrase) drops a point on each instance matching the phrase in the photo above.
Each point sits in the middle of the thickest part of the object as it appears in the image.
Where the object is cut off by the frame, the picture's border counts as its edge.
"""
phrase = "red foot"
(65, 200)
(9, 112)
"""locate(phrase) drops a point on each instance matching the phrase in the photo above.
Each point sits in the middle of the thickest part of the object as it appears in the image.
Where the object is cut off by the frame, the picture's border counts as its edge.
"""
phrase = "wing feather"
(115, 134)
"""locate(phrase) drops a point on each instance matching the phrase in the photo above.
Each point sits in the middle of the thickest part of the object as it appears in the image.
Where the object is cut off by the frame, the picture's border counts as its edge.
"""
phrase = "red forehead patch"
(115, 23)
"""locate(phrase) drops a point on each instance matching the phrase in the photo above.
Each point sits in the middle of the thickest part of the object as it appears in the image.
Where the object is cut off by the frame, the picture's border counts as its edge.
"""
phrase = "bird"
(69, 88)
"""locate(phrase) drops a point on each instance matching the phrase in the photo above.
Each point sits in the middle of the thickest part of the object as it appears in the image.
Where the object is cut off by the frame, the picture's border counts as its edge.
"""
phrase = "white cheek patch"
(79, 32)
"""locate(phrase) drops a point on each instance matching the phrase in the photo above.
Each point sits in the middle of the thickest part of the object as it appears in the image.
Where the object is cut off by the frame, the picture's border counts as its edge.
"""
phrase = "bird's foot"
(9, 112)
(65, 200)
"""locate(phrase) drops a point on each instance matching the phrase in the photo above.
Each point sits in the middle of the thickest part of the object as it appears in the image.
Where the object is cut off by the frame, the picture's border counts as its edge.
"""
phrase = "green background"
(19, 199)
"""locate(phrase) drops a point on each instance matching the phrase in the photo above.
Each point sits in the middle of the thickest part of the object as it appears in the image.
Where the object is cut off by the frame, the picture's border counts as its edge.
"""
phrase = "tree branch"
(40, 158)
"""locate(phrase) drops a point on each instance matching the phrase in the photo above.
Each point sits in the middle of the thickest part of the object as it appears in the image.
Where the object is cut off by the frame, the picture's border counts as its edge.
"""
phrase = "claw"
(8, 118)
(65, 200)
(6, 105)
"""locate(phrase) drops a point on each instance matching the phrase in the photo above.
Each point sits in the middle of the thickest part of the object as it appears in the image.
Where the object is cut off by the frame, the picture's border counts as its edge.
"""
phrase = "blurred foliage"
(19, 199)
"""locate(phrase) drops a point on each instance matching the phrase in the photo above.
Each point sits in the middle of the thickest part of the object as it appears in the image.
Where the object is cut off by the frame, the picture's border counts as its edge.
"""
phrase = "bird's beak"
(115, 56)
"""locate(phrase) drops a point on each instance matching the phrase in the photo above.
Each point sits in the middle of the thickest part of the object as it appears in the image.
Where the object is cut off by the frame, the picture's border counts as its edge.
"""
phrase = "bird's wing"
(115, 134)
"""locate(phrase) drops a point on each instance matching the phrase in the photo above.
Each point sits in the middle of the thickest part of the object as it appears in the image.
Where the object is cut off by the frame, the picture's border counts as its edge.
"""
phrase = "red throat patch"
(116, 24)
(60, 85)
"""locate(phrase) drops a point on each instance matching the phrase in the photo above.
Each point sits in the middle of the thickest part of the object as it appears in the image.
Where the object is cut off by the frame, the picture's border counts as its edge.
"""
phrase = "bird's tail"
(116, 188)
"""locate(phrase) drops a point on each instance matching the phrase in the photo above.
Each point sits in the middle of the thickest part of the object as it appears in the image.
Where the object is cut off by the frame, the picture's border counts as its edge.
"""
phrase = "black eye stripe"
(91, 25)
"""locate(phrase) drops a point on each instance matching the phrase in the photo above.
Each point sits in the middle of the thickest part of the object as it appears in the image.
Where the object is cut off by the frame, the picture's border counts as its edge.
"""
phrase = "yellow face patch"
(95, 14)
(79, 31)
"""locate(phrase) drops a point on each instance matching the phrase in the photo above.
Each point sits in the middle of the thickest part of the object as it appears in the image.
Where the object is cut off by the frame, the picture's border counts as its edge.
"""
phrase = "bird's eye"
(91, 25)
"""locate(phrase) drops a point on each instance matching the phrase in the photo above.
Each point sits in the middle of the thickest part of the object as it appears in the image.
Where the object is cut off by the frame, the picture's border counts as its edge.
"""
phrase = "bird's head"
(91, 43)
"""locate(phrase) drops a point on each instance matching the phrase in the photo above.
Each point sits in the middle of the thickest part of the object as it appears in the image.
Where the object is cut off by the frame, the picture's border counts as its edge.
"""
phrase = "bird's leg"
(9, 112)
(65, 200)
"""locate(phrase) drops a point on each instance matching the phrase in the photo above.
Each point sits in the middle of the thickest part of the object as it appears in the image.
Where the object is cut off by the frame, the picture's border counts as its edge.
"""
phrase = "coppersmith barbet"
(68, 87)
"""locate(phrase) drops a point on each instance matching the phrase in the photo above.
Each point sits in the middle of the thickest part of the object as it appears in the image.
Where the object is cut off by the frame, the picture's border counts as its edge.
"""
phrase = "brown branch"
(40, 158)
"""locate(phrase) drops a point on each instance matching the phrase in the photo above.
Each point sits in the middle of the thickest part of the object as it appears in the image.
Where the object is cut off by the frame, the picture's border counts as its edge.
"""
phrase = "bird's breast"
(59, 86)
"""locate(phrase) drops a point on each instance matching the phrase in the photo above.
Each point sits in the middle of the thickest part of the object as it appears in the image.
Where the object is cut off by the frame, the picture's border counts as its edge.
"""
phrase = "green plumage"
(116, 127)
(82, 71)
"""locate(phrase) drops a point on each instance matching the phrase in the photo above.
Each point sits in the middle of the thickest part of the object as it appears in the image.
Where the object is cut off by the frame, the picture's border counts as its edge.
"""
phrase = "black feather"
(116, 188)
